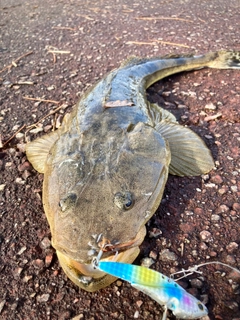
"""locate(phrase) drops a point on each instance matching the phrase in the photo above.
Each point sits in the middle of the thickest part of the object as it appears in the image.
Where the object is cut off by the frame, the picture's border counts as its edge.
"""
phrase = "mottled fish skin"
(105, 169)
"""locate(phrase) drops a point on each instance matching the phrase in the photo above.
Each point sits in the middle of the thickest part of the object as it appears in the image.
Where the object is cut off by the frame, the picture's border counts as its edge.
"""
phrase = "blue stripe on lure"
(159, 287)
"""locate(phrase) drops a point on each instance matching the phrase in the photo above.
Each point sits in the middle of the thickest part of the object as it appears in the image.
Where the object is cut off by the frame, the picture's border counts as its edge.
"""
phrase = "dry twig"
(23, 83)
(59, 51)
(47, 115)
(85, 16)
(64, 28)
(14, 62)
(5, 143)
(141, 43)
(163, 18)
(55, 51)
(202, 20)
(212, 117)
(154, 42)
(42, 100)
(172, 43)
(118, 103)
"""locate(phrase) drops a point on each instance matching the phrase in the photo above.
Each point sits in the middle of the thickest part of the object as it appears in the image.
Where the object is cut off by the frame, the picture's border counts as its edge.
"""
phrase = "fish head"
(101, 196)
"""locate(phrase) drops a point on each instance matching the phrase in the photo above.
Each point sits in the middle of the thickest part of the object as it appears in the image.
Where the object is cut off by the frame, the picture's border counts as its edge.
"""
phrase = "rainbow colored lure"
(159, 287)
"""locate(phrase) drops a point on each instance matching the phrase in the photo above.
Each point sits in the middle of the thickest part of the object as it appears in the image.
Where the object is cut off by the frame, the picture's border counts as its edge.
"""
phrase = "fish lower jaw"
(86, 276)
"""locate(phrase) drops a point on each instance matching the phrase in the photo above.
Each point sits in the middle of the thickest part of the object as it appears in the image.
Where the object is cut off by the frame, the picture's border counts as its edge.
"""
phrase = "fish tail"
(223, 59)
(155, 69)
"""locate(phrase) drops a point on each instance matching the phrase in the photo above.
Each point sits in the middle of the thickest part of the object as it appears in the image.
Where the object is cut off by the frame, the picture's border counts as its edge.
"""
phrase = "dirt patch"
(63, 48)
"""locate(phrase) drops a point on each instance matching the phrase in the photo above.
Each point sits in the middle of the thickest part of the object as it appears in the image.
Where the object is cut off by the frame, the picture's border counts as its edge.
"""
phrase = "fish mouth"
(86, 276)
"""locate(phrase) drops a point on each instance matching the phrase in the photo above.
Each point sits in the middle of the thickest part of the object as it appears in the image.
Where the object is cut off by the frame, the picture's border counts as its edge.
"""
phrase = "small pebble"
(215, 217)
(236, 206)
(198, 211)
(48, 260)
(223, 190)
(213, 254)
(210, 106)
(167, 255)
(139, 303)
(18, 271)
(147, 262)
(119, 283)
(19, 135)
(19, 180)
(21, 147)
(24, 166)
(217, 179)
(231, 247)
(2, 303)
(222, 209)
(2, 186)
(235, 275)
(78, 317)
(153, 255)
(154, 233)
(196, 283)
(136, 314)
(26, 174)
(45, 243)
(38, 263)
(27, 278)
(187, 227)
(21, 250)
(43, 298)
(181, 106)
(206, 236)
(36, 130)
(233, 305)
(230, 259)
(234, 188)
(210, 185)
(51, 88)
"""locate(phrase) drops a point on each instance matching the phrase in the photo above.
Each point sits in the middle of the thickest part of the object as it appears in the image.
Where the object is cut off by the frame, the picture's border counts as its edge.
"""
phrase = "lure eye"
(173, 304)
(123, 200)
(200, 306)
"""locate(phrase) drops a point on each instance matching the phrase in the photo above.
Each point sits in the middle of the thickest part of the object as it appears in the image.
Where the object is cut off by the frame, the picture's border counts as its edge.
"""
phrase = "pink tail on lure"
(159, 287)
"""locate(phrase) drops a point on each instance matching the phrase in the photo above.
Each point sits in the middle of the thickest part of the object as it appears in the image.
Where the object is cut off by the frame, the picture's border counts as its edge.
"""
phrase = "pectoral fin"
(159, 114)
(189, 154)
(38, 150)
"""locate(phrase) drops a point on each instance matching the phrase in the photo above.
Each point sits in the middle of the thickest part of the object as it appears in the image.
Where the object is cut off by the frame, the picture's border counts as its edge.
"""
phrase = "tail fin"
(225, 60)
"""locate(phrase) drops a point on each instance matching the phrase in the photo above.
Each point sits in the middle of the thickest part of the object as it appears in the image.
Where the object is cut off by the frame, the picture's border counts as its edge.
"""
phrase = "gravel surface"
(50, 53)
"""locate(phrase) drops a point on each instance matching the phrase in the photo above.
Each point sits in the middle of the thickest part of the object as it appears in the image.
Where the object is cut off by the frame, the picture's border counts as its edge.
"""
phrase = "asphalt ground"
(50, 53)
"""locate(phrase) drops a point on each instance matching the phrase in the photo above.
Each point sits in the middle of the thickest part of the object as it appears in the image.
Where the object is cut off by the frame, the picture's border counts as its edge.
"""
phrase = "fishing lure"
(158, 286)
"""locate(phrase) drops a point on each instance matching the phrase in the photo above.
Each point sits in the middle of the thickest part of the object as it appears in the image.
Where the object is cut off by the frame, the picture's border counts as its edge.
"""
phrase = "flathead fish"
(105, 169)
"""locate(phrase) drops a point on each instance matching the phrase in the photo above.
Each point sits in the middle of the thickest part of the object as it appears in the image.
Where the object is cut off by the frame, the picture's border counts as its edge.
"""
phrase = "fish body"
(105, 169)
(159, 287)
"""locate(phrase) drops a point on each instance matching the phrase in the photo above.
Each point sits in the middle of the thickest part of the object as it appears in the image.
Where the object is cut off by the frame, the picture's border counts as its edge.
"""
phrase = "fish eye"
(123, 200)
(67, 202)
(128, 204)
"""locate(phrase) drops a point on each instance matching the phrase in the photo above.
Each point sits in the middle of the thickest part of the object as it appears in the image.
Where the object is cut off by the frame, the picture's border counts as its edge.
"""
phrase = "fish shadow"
(179, 192)
(182, 195)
